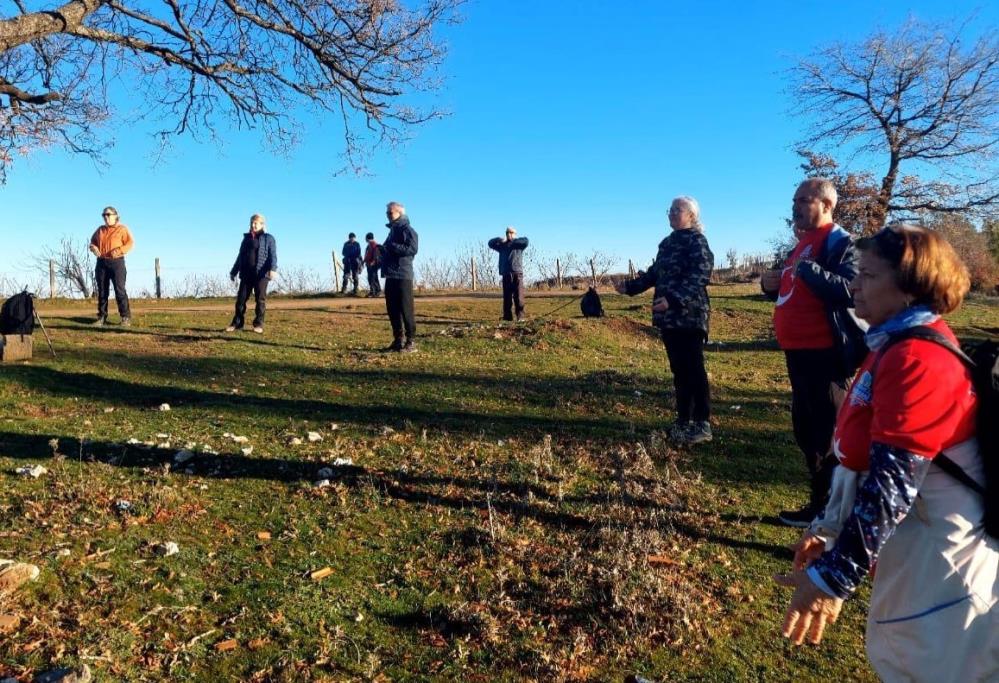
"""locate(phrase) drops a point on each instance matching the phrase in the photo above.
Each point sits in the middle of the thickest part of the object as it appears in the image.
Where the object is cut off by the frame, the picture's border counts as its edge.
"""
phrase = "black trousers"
(399, 304)
(349, 272)
(818, 387)
(685, 349)
(374, 285)
(111, 271)
(259, 289)
(513, 295)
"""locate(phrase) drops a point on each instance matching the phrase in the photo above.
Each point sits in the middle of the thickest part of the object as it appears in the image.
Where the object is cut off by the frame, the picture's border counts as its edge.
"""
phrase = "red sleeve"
(922, 399)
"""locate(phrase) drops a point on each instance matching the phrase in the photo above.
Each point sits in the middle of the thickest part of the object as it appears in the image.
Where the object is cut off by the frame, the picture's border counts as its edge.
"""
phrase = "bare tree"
(298, 280)
(597, 262)
(74, 267)
(732, 256)
(921, 101)
(199, 63)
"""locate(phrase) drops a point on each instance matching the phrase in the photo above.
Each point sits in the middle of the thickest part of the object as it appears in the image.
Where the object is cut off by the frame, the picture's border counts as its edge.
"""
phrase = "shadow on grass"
(462, 493)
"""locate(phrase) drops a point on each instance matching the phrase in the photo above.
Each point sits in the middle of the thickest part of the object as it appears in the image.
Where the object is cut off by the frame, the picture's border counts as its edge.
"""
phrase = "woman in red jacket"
(932, 614)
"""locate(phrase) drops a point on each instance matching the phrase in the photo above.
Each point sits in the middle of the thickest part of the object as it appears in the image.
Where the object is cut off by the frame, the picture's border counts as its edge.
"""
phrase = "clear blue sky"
(574, 120)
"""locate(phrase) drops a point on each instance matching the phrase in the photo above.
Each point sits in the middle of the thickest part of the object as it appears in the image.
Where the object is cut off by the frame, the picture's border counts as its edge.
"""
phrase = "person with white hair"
(400, 246)
(680, 309)
(511, 270)
(256, 265)
(818, 332)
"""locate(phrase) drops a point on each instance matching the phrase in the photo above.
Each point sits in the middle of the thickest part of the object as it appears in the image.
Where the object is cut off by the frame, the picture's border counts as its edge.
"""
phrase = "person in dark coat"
(372, 261)
(256, 266)
(400, 246)
(680, 309)
(511, 270)
(351, 262)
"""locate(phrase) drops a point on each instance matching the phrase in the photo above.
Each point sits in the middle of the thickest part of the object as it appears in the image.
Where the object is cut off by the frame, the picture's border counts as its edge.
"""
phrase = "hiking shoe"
(698, 432)
(231, 328)
(409, 347)
(100, 322)
(395, 346)
(259, 329)
(678, 431)
(126, 322)
(14, 574)
(800, 519)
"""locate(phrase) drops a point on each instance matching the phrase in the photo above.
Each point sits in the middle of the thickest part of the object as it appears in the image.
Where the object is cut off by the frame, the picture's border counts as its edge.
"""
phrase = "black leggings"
(685, 349)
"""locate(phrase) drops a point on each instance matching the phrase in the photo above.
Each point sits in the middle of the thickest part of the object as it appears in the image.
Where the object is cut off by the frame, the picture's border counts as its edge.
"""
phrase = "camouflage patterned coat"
(680, 273)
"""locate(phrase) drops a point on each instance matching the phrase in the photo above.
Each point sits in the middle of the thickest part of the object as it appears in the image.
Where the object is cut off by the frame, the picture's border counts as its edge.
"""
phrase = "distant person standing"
(372, 260)
(511, 270)
(110, 243)
(401, 246)
(351, 253)
(256, 265)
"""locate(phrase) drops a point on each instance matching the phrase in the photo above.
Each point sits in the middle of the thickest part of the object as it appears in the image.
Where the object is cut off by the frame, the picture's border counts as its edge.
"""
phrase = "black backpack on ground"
(17, 315)
(982, 358)
(590, 304)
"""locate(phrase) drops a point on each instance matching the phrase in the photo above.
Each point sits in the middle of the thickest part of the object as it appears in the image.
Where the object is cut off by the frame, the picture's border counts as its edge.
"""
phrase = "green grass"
(508, 485)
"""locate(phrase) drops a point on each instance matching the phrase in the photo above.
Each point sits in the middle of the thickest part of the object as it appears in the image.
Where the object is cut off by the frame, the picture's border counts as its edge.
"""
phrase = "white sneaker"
(258, 329)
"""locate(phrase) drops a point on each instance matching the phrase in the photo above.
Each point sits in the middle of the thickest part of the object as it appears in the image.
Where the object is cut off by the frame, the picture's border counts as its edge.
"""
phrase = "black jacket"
(680, 273)
(351, 253)
(510, 254)
(266, 255)
(400, 246)
(828, 277)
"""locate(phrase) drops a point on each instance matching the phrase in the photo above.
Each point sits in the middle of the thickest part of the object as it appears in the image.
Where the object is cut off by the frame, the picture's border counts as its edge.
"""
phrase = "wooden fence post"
(52, 279)
(159, 288)
(593, 271)
(336, 273)
(475, 279)
(558, 273)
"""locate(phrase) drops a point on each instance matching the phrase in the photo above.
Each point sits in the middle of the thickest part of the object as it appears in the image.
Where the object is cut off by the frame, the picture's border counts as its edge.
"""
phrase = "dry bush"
(298, 280)
(202, 286)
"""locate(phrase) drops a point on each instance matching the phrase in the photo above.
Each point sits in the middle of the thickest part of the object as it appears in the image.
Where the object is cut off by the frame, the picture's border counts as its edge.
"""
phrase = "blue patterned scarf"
(913, 316)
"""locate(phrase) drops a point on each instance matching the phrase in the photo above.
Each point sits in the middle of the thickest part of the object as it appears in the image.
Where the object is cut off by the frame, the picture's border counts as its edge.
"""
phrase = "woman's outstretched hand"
(810, 609)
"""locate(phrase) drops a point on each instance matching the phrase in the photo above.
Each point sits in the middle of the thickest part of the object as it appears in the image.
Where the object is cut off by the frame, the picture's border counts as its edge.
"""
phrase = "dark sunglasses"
(891, 244)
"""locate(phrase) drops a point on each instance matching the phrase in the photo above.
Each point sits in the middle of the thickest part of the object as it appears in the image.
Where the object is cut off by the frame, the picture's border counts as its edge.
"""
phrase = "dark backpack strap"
(931, 335)
(954, 470)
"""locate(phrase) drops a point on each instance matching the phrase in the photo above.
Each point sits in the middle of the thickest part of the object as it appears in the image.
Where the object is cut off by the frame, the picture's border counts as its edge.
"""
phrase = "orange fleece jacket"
(112, 241)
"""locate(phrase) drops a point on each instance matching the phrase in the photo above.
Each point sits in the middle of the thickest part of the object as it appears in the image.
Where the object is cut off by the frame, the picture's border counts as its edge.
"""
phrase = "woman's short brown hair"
(926, 266)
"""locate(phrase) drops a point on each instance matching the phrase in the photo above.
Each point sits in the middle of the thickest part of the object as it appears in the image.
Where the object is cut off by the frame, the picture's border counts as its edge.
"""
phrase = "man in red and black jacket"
(817, 330)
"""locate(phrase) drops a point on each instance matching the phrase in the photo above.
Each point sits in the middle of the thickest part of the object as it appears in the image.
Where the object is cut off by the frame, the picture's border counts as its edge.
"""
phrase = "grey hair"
(396, 205)
(825, 188)
(693, 207)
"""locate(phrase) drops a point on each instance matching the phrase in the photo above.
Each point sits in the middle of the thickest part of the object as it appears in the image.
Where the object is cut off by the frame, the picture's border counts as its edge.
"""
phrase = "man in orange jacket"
(109, 244)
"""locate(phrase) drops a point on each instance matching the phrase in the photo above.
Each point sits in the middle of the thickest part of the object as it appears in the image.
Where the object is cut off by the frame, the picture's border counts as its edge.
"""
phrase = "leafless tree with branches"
(201, 63)
(919, 99)
(74, 267)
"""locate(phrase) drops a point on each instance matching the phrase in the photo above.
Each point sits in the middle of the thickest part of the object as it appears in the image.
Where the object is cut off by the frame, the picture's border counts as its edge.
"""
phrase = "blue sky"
(576, 121)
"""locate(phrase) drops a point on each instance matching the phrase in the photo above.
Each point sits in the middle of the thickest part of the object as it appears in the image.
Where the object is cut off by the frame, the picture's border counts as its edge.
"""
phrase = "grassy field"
(510, 510)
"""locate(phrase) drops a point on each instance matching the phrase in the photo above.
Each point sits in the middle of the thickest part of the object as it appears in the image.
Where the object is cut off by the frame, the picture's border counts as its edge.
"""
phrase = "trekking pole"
(38, 319)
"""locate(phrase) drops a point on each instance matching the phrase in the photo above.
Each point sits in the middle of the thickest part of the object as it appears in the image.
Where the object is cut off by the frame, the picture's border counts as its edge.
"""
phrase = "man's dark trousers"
(259, 288)
(818, 387)
(399, 304)
(349, 272)
(111, 270)
(374, 286)
(513, 295)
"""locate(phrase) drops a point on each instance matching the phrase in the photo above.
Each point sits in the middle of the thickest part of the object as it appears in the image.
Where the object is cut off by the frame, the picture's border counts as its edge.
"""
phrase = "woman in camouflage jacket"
(680, 309)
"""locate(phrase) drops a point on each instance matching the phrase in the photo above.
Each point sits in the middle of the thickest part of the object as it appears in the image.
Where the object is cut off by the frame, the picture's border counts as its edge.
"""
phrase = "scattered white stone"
(227, 435)
(64, 552)
(164, 407)
(183, 456)
(247, 450)
(294, 441)
(123, 505)
(87, 423)
(313, 437)
(209, 450)
(386, 430)
(325, 473)
(166, 549)
(637, 392)
(162, 436)
(34, 471)
(343, 462)
(736, 408)
(165, 445)
(109, 409)
(334, 426)
(322, 483)
(133, 442)
(239, 439)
